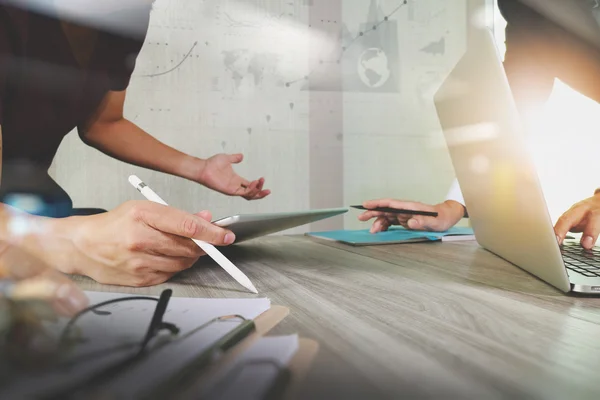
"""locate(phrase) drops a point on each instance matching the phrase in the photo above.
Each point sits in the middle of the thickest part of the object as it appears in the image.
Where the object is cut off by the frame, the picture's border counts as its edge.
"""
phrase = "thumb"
(415, 223)
(236, 158)
(419, 222)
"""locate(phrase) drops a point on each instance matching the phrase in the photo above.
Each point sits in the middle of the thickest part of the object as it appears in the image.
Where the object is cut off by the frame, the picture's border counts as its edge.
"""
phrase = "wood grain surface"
(425, 320)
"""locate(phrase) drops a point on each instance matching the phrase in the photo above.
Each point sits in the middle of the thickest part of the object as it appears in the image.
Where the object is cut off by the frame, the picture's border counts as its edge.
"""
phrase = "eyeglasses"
(156, 323)
(68, 341)
(102, 379)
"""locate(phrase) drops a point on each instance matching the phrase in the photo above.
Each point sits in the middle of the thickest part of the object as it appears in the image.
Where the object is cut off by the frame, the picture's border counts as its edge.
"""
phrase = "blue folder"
(393, 235)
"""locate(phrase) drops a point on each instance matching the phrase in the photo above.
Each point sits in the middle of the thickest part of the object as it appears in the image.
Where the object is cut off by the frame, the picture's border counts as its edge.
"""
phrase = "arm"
(109, 132)
(20, 262)
(112, 134)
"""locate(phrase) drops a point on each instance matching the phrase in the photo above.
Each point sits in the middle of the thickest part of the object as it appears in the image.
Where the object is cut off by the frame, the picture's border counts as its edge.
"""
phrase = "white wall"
(393, 143)
(390, 142)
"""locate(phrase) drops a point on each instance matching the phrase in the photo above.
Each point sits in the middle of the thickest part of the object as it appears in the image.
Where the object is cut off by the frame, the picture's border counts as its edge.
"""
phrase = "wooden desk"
(444, 320)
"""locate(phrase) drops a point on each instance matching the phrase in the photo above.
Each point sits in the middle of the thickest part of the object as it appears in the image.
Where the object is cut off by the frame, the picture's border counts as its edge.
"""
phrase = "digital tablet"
(250, 226)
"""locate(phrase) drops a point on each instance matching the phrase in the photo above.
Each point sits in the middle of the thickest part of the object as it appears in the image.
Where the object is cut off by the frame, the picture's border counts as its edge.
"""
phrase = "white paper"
(458, 238)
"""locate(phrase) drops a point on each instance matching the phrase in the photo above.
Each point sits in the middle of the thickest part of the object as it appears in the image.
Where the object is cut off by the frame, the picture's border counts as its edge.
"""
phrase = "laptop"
(251, 226)
(500, 185)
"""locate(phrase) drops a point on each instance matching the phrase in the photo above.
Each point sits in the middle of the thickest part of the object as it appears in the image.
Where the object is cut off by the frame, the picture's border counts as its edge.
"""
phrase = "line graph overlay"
(175, 67)
(346, 47)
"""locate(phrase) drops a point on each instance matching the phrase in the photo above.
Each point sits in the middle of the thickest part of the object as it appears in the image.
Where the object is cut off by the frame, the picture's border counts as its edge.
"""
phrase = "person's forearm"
(46, 238)
(127, 142)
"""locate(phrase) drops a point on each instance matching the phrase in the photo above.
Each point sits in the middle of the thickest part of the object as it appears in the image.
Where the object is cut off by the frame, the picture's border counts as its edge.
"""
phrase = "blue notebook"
(393, 236)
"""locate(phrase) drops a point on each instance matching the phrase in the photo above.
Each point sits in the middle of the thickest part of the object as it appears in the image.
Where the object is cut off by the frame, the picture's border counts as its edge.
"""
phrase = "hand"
(449, 213)
(581, 217)
(35, 280)
(140, 243)
(217, 173)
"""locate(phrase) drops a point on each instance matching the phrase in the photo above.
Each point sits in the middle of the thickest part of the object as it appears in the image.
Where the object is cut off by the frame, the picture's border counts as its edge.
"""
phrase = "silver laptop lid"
(496, 173)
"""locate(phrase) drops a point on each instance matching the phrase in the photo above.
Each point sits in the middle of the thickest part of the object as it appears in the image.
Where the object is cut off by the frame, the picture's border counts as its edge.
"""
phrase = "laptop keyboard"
(584, 262)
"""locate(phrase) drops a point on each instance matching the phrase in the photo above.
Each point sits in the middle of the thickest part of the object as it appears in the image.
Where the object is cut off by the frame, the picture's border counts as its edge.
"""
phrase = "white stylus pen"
(207, 247)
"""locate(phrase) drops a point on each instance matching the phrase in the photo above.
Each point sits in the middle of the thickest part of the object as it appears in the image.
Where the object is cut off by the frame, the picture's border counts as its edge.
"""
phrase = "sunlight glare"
(564, 138)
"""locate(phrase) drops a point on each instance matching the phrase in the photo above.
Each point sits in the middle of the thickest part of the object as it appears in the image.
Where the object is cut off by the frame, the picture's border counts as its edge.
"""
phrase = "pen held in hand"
(398, 211)
(208, 248)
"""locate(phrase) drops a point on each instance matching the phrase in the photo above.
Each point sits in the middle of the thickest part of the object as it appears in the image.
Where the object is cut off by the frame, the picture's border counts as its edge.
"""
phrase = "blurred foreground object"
(28, 187)
(30, 294)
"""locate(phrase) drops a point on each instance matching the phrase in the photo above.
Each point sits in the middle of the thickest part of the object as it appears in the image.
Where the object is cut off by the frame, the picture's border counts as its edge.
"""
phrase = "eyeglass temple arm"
(157, 324)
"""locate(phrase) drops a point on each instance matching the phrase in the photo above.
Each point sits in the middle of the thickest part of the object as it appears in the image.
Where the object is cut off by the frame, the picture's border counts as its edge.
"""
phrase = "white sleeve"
(455, 193)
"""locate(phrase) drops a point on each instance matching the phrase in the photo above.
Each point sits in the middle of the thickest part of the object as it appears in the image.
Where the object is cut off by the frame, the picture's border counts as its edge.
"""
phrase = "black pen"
(398, 211)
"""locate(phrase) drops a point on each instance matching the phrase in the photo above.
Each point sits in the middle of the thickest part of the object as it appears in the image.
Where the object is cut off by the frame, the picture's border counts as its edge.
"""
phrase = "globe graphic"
(373, 68)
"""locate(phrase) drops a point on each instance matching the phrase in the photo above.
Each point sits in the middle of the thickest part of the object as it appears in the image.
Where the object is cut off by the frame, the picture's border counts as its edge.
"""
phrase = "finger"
(367, 215)
(591, 231)
(176, 222)
(250, 187)
(205, 215)
(393, 219)
(398, 204)
(423, 223)
(262, 194)
(245, 183)
(414, 224)
(251, 191)
(164, 244)
(569, 220)
(236, 158)
(259, 193)
(254, 188)
(380, 224)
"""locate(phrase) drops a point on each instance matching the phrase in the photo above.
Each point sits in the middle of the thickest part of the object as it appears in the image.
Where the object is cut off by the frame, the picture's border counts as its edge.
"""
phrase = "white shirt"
(455, 193)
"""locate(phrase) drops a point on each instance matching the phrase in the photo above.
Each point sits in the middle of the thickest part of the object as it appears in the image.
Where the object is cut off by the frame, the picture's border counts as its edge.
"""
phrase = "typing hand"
(141, 243)
(449, 213)
(34, 280)
(581, 217)
(217, 173)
